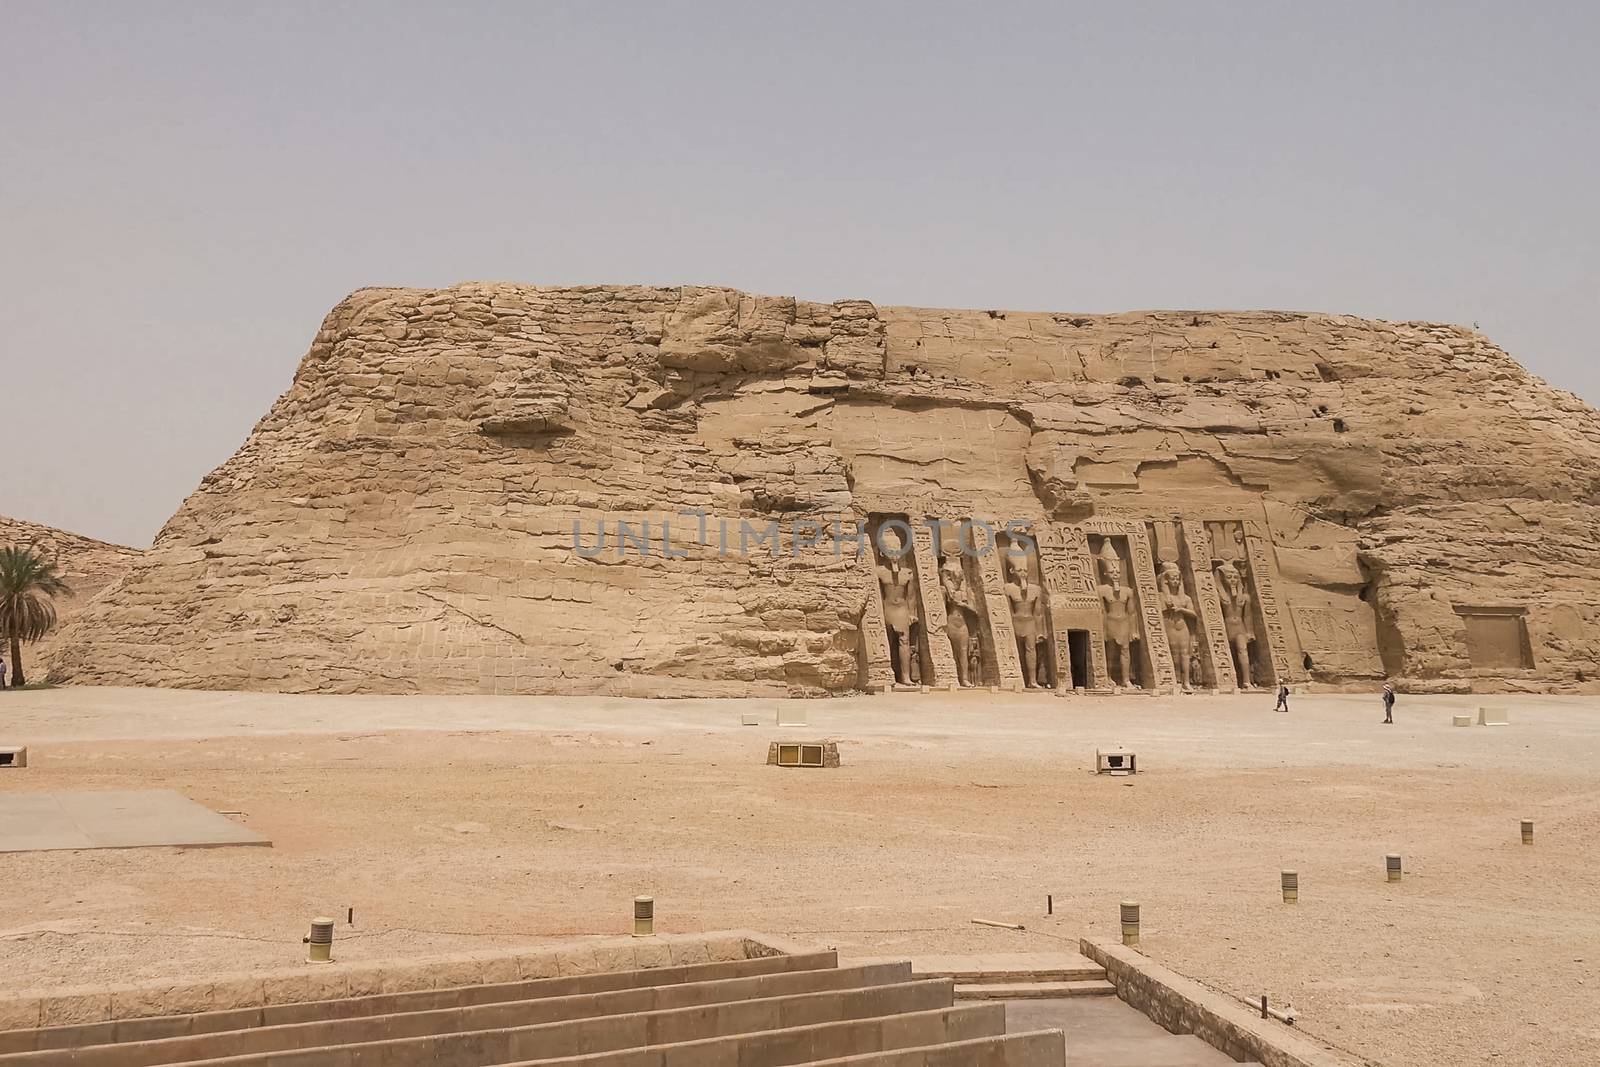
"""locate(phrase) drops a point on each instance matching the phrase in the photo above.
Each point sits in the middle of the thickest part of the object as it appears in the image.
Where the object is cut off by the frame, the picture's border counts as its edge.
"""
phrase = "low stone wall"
(1184, 1006)
(75, 1005)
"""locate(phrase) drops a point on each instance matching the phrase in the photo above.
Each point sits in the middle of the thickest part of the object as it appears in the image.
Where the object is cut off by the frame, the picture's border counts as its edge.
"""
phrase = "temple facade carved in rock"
(680, 491)
(1123, 605)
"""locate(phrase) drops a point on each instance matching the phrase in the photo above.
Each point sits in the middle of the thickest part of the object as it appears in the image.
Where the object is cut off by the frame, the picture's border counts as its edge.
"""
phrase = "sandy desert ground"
(452, 823)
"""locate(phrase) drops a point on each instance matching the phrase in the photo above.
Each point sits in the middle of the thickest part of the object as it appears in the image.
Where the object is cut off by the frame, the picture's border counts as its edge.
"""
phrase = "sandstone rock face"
(1248, 498)
(89, 566)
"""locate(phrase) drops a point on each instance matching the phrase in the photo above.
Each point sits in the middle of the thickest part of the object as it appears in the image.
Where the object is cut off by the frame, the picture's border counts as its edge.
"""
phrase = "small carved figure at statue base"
(1178, 613)
(1027, 618)
(899, 608)
(1120, 614)
(1235, 599)
(961, 619)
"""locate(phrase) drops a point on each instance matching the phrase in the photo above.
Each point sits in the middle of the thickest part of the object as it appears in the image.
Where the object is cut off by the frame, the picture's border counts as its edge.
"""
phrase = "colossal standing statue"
(1235, 599)
(1178, 613)
(961, 616)
(899, 609)
(1121, 624)
(1027, 618)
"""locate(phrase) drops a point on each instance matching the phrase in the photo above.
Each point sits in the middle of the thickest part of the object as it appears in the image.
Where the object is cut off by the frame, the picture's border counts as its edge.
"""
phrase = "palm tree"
(28, 581)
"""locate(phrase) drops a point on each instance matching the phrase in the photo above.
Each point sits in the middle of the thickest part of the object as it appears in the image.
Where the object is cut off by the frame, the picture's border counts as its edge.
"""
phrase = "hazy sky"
(188, 188)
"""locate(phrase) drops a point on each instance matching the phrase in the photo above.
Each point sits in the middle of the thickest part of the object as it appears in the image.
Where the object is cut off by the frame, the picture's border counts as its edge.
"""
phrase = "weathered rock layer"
(87, 565)
(1401, 499)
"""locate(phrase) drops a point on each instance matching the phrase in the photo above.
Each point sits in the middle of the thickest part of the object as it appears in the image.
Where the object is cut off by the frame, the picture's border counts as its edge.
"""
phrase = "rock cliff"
(1335, 499)
(89, 566)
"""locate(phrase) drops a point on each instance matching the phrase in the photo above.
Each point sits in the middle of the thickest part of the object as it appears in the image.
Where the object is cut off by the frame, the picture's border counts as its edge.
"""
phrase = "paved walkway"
(1106, 1032)
(113, 818)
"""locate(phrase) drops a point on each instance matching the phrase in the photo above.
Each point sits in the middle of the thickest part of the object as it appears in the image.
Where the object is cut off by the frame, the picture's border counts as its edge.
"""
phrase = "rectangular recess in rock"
(1497, 637)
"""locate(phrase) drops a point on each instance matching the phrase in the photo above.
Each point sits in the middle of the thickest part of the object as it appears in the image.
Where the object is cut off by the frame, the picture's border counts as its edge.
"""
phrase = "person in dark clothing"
(1283, 697)
(1388, 702)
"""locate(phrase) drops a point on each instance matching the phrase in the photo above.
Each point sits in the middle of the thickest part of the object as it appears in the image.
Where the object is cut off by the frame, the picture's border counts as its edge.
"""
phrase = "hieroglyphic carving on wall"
(1155, 630)
(1226, 539)
(1053, 568)
(1085, 591)
(1258, 549)
(926, 562)
(874, 634)
(997, 606)
(1214, 642)
(1074, 605)
(1215, 511)
(1331, 629)
(1080, 565)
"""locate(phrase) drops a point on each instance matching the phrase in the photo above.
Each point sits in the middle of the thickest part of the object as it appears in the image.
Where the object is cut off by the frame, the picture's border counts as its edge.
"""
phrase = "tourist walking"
(1388, 702)
(1283, 697)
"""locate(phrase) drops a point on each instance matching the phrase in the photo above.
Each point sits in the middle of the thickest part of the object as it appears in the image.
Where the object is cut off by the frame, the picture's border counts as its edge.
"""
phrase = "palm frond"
(28, 581)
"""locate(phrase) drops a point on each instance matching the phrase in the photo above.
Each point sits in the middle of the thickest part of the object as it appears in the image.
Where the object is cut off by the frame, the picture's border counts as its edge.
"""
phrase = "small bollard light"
(1527, 831)
(320, 941)
(644, 916)
(1391, 863)
(1130, 922)
(1291, 886)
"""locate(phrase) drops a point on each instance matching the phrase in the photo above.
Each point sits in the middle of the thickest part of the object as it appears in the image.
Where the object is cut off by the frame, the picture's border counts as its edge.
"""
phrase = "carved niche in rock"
(1029, 612)
(897, 583)
(1178, 615)
(1497, 637)
(1234, 593)
(961, 619)
(1122, 616)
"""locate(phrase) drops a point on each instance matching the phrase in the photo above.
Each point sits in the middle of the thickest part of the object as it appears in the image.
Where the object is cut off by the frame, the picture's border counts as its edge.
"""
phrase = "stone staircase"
(1069, 992)
(758, 1012)
(1018, 975)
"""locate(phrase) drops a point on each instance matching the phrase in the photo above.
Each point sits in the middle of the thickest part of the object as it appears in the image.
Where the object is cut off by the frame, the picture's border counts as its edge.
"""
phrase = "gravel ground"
(455, 823)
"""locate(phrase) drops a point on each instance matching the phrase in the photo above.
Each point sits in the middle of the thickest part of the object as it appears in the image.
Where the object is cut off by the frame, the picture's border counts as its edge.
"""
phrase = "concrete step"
(478, 1017)
(1044, 1048)
(213, 1022)
(1009, 967)
(803, 1044)
(579, 1036)
(782, 1011)
(991, 990)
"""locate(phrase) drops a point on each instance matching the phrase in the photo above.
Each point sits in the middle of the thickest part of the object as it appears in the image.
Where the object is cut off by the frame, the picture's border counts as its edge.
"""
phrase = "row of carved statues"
(1181, 622)
(1118, 625)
